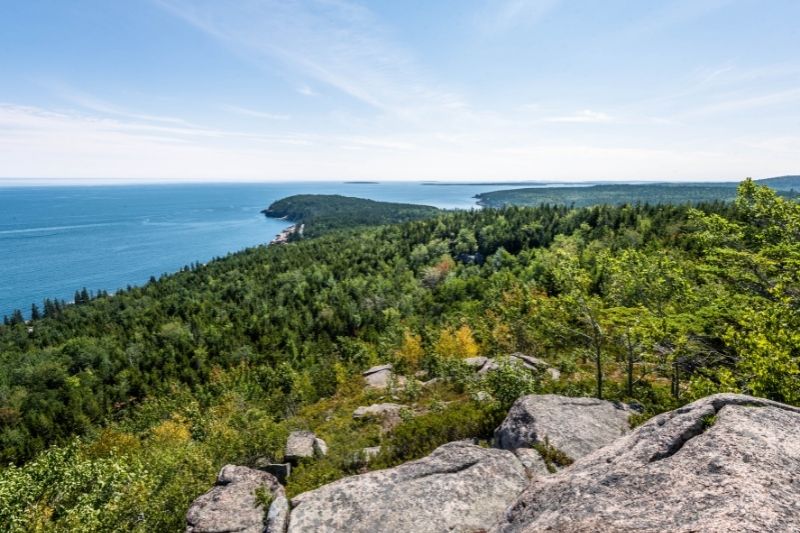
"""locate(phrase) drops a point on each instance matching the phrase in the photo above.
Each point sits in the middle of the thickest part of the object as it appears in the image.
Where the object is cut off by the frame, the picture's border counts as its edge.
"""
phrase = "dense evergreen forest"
(117, 411)
(321, 213)
(619, 194)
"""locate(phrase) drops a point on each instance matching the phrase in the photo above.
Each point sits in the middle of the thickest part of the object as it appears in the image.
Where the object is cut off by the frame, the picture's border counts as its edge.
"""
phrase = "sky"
(250, 90)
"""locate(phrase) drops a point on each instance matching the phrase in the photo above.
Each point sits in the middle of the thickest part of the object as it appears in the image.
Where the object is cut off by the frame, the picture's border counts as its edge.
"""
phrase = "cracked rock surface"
(576, 426)
(725, 463)
(232, 505)
(459, 487)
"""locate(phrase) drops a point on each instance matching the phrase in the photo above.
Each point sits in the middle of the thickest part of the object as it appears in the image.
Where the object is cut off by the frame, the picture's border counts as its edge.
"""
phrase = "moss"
(553, 457)
(708, 421)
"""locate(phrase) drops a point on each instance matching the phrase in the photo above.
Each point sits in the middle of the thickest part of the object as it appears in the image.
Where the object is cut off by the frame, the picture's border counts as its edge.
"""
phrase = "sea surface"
(55, 240)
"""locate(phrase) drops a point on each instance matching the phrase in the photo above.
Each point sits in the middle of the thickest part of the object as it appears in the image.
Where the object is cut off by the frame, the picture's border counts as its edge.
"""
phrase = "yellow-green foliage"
(121, 481)
(457, 343)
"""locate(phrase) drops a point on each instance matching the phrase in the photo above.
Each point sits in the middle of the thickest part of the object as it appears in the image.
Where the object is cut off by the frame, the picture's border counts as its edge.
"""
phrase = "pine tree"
(17, 318)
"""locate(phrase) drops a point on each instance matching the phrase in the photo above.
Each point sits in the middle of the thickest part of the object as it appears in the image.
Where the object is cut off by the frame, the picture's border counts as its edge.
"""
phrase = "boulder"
(232, 506)
(378, 377)
(535, 364)
(532, 461)
(303, 445)
(458, 487)
(490, 365)
(281, 471)
(370, 453)
(431, 382)
(378, 410)
(387, 413)
(483, 365)
(278, 515)
(727, 462)
(476, 362)
(320, 447)
(574, 426)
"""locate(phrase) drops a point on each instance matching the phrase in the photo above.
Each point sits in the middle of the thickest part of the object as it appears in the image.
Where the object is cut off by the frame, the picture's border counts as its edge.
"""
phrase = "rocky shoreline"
(284, 236)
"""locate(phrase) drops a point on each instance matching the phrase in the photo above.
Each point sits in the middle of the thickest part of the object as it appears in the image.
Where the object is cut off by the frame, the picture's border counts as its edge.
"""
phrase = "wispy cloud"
(734, 104)
(91, 102)
(244, 111)
(587, 116)
(501, 16)
(37, 142)
(672, 14)
(305, 90)
(335, 42)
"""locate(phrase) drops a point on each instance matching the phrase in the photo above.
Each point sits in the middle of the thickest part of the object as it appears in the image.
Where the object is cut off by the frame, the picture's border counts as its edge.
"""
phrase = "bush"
(419, 436)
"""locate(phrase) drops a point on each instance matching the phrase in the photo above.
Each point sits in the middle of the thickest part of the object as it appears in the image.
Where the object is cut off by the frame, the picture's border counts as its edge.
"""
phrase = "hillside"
(321, 213)
(119, 411)
(726, 470)
(782, 183)
(618, 194)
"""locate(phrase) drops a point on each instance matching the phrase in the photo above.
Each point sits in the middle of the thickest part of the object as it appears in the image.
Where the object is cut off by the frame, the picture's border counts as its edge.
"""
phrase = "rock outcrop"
(387, 413)
(378, 410)
(721, 464)
(381, 376)
(537, 366)
(281, 471)
(232, 504)
(304, 445)
(458, 487)
(574, 426)
(476, 362)
(368, 454)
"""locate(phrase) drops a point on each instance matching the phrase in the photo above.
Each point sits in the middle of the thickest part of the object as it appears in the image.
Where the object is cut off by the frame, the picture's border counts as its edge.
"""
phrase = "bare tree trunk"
(599, 368)
(630, 365)
(676, 380)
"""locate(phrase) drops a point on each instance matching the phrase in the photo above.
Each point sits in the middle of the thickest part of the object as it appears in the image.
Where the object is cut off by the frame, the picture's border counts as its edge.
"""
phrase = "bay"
(55, 240)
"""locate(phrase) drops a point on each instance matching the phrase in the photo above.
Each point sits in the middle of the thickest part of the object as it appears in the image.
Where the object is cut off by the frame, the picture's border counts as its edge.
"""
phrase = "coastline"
(284, 236)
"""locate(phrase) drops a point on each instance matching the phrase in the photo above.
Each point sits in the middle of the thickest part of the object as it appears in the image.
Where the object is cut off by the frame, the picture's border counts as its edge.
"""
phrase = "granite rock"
(725, 463)
(231, 505)
(575, 426)
(458, 487)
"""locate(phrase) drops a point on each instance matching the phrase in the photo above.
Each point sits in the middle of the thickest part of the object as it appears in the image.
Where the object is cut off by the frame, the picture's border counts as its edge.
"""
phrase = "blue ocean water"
(55, 240)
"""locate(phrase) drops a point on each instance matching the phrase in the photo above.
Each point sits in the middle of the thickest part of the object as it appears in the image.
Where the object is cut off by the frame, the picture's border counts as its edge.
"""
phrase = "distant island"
(617, 194)
(356, 182)
(321, 213)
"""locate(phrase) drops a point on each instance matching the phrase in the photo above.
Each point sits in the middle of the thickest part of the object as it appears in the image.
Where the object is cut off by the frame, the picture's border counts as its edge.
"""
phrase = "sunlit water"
(54, 240)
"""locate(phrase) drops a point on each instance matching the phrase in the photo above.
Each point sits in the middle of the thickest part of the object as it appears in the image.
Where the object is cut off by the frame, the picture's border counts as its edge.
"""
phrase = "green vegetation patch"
(553, 457)
(322, 213)
(580, 196)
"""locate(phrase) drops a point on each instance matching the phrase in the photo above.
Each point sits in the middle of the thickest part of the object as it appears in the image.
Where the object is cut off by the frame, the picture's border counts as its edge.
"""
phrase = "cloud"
(305, 90)
(736, 104)
(36, 142)
(501, 16)
(587, 116)
(672, 14)
(253, 113)
(93, 103)
(334, 42)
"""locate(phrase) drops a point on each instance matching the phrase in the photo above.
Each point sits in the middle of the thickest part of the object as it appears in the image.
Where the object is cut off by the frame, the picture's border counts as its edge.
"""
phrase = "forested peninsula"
(619, 194)
(384, 343)
(321, 213)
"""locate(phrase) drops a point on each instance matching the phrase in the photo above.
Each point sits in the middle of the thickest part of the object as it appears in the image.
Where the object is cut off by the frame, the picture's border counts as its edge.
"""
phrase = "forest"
(618, 194)
(321, 213)
(117, 411)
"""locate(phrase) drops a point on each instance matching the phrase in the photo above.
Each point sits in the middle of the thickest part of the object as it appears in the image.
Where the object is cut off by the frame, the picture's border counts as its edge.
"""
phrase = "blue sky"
(436, 89)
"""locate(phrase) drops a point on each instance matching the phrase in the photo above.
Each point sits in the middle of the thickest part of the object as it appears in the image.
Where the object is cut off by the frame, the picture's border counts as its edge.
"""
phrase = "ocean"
(55, 240)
